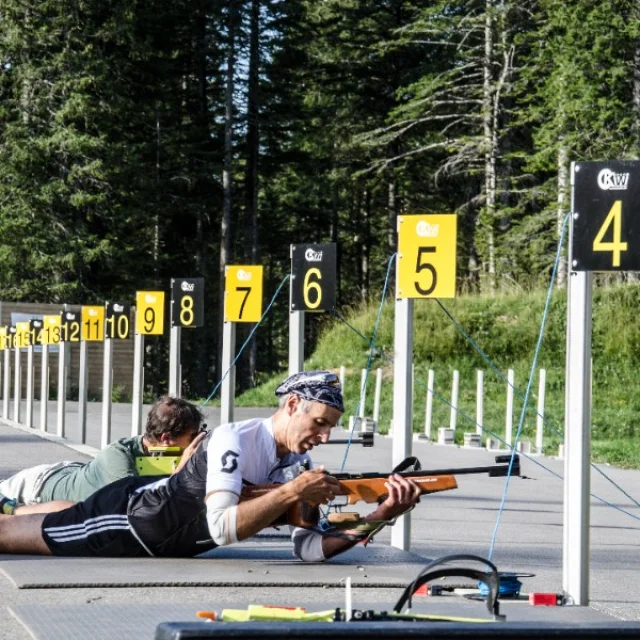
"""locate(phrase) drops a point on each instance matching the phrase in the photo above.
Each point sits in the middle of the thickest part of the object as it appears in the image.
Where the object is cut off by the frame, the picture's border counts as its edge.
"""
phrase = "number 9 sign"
(427, 256)
(313, 277)
(150, 313)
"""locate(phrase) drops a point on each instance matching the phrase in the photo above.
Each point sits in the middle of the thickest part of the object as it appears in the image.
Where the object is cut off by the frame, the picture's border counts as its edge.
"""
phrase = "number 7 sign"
(243, 293)
(427, 256)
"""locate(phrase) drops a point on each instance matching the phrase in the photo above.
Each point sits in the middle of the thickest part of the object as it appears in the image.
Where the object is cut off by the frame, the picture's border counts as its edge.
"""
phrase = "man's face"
(182, 441)
(309, 428)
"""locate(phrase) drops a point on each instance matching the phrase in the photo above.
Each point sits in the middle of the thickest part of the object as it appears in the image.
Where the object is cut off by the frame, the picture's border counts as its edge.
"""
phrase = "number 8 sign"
(427, 256)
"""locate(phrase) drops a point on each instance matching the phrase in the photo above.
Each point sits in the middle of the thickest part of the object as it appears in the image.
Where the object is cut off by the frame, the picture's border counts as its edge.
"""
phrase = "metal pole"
(175, 389)
(376, 397)
(402, 405)
(29, 417)
(6, 393)
(479, 401)
(296, 342)
(342, 375)
(44, 387)
(509, 414)
(138, 377)
(83, 380)
(428, 413)
(17, 386)
(107, 386)
(62, 389)
(455, 386)
(577, 432)
(228, 387)
(363, 394)
(540, 417)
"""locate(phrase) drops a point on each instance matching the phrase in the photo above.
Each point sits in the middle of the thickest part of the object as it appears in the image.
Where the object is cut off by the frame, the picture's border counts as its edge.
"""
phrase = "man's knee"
(22, 534)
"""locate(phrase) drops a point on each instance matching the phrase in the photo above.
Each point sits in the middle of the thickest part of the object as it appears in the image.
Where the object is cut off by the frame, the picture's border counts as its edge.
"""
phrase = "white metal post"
(6, 389)
(175, 386)
(428, 413)
(402, 405)
(30, 385)
(228, 390)
(480, 402)
(363, 395)
(342, 375)
(455, 387)
(62, 389)
(44, 387)
(138, 381)
(540, 409)
(509, 412)
(376, 397)
(17, 385)
(83, 381)
(296, 341)
(577, 432)
(107, 386)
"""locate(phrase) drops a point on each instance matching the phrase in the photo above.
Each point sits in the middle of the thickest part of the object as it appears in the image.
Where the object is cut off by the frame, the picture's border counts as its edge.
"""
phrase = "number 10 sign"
(427, 256)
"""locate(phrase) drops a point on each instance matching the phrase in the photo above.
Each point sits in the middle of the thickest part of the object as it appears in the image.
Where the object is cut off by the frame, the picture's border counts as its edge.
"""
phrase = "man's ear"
(165, 439)
(292, 403)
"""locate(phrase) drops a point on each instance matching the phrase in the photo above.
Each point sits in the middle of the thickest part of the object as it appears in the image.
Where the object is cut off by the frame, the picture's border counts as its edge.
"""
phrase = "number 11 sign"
(427, 256)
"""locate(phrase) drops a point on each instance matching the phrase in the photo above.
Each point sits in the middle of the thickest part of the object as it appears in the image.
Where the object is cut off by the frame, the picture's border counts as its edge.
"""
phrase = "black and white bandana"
(317, 386)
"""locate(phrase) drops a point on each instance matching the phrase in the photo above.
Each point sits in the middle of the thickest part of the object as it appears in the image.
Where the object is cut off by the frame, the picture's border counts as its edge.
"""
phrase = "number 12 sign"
(427, 256)
(243, 293)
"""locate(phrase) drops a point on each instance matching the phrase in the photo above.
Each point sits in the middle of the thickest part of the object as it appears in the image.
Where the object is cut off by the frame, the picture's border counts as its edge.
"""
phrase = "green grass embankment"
(506, 328)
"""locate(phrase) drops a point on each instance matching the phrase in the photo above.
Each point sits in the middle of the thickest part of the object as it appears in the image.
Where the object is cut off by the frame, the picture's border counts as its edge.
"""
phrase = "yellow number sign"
(427, 256)
(93, 324)
(243, 293)
(22, 334)
(150, 313)
(51, 329)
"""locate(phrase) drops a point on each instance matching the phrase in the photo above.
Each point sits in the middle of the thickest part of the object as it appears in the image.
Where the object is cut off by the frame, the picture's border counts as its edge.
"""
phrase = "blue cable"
(372, 344)
(246, 342)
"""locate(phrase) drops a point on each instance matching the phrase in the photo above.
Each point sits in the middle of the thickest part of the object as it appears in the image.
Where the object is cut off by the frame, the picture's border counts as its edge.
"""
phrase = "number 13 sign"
(427, 256)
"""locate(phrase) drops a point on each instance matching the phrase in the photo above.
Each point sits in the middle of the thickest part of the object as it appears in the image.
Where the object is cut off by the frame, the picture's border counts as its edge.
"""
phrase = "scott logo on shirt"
(229, 461)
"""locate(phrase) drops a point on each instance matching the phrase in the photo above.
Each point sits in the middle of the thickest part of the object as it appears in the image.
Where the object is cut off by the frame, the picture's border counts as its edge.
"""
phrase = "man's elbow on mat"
(307, 545)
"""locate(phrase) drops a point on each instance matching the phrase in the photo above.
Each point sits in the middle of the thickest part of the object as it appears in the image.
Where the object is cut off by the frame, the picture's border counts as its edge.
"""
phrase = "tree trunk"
(253, 150)
(490, 151)
(227, 171)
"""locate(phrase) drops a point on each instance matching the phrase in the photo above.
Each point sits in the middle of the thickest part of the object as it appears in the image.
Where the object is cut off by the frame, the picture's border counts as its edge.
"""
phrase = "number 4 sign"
(427, 256)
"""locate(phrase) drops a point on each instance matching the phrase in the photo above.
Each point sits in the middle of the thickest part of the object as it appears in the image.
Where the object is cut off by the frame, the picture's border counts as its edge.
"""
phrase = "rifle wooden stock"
(369, 490)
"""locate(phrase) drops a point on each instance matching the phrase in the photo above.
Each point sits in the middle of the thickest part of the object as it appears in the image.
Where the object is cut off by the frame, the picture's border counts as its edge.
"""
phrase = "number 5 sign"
(427, 256)
(313, 277)
(243, 293)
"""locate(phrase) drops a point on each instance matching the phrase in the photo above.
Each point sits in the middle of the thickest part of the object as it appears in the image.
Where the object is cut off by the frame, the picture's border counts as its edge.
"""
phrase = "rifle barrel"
(496, 470)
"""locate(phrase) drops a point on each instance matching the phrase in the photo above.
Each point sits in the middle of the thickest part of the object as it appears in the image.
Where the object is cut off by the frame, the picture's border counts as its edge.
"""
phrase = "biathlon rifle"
(370, 488)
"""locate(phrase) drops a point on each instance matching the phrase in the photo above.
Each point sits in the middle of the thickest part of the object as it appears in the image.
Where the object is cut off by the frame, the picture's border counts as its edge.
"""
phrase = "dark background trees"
(141, 141)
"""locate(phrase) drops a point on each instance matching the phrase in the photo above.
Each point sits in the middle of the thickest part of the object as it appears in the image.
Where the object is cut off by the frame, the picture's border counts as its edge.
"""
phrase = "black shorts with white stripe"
(97, 527)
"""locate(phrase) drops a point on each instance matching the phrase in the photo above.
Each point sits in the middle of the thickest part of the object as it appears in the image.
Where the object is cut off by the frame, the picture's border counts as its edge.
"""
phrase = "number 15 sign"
(427, 256)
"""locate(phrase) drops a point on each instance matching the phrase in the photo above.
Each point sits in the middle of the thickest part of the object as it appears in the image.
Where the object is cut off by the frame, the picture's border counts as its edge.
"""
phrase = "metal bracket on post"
(402, 406)
(228, 389)
(175, 388)
(83, 380)
(30, 385)
(44, 387)
(138, 381)
(107, 386)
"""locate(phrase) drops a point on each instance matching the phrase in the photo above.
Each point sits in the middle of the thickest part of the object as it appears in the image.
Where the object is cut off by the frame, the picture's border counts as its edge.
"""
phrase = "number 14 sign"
(427, 256)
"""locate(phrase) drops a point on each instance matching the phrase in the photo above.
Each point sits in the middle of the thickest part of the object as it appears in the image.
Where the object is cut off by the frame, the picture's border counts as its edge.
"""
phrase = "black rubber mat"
(265, 562)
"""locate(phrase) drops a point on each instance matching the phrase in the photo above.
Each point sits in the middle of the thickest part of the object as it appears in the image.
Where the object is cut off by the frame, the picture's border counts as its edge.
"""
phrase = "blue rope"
(246, 342)
(372, 348)
(545, 315)
(504, 442)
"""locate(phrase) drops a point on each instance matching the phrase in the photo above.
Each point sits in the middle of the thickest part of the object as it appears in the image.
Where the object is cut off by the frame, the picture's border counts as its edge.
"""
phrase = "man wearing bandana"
(199, 508)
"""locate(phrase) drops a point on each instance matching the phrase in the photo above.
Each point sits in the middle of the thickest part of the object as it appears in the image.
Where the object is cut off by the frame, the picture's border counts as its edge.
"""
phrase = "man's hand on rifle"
(404, 494)
(315, 486)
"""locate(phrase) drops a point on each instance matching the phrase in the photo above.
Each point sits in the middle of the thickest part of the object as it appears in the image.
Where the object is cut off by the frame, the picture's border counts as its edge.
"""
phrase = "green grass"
(506, 328)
